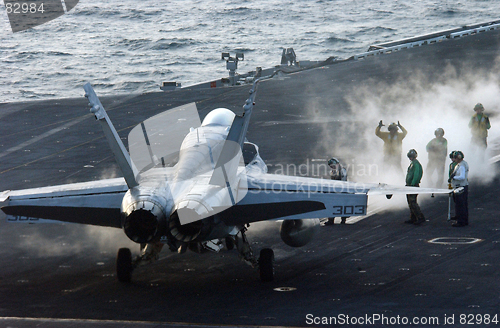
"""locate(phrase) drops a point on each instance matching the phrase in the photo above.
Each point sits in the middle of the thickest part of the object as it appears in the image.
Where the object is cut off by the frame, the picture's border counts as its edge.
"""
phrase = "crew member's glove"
(449, 186)
(399, 125)
(380, 124)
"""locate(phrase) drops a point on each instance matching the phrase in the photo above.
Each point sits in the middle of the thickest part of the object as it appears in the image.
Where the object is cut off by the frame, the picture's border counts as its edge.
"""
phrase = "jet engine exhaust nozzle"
(142, 222)
(186, 232)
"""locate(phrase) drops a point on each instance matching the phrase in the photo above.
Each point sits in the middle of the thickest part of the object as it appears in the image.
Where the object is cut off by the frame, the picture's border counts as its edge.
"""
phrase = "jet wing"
(385, 189)
(95, 203)
(271, 197)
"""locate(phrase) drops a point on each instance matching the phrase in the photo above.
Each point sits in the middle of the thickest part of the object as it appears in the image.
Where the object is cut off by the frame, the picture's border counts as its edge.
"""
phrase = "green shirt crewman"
(414, 174)
(413, 177)
(452, 166)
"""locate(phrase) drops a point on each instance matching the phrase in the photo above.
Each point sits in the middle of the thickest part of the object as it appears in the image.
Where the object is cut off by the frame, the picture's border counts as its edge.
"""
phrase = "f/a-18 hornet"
(192, 185)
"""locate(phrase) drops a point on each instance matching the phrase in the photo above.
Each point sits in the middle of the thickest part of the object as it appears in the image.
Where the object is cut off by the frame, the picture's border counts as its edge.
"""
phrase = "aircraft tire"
(229, 243)
(124, 266)
(266, 265)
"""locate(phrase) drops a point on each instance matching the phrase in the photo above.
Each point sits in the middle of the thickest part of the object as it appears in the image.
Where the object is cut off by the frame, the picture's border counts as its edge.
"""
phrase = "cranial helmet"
(333, 161)
(439, 132)
(459, 155)
(479, 106)
(412, 153)
(392, 126)
(452, 154)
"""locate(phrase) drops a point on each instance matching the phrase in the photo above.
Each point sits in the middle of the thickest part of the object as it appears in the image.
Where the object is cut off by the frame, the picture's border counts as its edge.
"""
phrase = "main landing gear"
(125, 265)
(265, 264)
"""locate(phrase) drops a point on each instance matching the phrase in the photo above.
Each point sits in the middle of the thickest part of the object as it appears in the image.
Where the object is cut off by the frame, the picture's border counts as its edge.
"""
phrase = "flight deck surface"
(377, 266)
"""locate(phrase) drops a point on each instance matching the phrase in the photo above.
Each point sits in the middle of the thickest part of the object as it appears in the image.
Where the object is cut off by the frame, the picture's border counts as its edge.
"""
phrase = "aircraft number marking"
(349, 210)
(19, 218)
(24, 7)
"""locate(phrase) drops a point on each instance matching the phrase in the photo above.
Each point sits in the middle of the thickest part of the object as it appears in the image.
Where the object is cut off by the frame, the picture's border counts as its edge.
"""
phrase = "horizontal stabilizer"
(106, 217)
(95, 203)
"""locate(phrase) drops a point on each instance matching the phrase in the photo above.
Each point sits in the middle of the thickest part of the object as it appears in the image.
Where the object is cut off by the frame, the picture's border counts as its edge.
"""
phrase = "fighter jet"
(193, 185)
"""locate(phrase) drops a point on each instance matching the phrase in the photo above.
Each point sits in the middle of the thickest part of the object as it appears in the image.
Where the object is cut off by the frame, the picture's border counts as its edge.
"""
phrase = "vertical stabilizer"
(121, 155)
(227, 164)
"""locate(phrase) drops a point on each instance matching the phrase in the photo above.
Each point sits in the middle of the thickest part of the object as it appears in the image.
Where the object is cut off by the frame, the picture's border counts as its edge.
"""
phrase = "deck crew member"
(393, 141)
(479, 125)
(337, 172)
(413, 177)
(459, 178)
(437, 149)
(451, 168)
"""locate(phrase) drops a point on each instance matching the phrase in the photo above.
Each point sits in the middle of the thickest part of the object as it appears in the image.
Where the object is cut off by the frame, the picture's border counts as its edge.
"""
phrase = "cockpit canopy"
(219, 116)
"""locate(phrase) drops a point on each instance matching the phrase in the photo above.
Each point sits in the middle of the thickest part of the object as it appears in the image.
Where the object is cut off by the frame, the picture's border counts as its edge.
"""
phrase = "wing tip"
(4, 195)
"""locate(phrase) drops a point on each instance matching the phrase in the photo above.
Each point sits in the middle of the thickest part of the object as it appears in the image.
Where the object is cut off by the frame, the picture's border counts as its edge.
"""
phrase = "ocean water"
(125, 46)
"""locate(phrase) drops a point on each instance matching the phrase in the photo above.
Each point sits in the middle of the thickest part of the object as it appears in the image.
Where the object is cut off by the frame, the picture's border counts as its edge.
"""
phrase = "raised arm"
(402, 129)
(377, 129)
